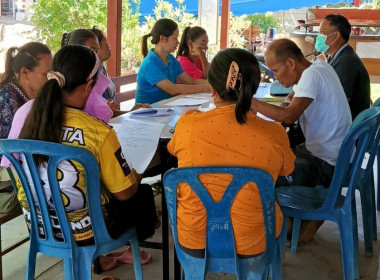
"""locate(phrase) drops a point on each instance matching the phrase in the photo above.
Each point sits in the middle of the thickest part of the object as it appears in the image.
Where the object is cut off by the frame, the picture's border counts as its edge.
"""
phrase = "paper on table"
(264, 117)
(188, 101)
(206, 95)
(139, 141)
(151, 112)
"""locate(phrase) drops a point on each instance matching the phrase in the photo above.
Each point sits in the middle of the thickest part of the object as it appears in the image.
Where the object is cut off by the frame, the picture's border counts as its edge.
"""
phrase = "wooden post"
(225, 23)
(114, 12)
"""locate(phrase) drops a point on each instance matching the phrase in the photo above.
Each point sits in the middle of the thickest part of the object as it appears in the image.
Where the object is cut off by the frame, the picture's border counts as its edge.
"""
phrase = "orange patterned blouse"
(216, 138)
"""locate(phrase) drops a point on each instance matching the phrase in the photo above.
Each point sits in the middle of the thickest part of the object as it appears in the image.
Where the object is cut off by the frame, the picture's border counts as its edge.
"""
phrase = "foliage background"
(52, 18)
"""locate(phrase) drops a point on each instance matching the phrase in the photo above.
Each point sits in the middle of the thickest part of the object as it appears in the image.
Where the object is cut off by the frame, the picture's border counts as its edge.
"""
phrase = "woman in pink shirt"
(192, 52)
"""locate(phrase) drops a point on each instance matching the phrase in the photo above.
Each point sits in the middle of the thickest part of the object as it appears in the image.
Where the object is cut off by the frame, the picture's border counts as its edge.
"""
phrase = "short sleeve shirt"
(82, 130)
(215, 138)
(152, 71)
(193, 70)
(11, 98)
(327, 120)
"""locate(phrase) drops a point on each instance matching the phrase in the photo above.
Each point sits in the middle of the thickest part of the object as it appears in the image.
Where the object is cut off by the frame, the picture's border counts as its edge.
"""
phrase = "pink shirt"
(194, 71)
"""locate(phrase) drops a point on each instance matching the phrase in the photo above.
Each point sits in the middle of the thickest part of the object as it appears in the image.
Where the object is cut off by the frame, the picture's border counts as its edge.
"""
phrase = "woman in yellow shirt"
(229, 135)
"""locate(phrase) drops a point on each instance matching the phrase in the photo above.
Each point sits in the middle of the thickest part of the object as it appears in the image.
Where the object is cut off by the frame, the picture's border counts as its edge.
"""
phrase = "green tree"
(265, 21)
(52, 18)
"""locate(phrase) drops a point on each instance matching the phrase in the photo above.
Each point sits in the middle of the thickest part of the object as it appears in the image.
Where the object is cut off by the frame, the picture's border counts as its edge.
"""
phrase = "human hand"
(197, 51)
(113, 105)
(141, 105)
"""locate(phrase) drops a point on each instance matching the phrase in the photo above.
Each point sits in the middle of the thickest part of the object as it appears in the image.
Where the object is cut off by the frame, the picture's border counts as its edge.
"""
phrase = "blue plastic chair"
(366, 185)
(77, 260)
(265, 68)
(305, 203)
(377, 104)
(220, 253)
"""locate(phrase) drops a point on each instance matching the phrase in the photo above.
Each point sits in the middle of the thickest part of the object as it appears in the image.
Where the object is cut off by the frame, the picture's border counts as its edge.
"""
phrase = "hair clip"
(59, 77)
(233, 76)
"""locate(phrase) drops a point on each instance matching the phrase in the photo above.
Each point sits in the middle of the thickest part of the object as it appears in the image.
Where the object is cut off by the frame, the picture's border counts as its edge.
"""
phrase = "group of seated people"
(42, 96)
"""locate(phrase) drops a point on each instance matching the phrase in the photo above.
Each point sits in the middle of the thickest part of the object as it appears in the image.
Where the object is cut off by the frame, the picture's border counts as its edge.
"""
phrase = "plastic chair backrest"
(266, 69)
(220, 253)
(376, 103)
(350, 162)
(372, 146)
(57, 153)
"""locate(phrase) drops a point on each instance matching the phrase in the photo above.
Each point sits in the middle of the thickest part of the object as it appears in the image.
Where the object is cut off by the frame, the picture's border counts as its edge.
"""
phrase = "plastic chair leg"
(373, 202)
(368, 210)
(349, 245)
(378, 180)
(136, 258)
(276, 266)
(295, 235)
(72, 270)
(31, 262)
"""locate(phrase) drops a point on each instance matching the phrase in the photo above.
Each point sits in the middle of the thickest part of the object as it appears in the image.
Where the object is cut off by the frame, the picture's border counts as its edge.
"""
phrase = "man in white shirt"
(319, 103)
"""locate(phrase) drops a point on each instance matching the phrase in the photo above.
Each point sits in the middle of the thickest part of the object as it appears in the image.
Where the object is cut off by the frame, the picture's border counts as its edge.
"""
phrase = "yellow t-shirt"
(82, 130)
(216, 138)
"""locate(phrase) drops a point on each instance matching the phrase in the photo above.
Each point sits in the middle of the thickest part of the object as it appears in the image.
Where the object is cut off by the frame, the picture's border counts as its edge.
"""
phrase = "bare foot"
(308, 230)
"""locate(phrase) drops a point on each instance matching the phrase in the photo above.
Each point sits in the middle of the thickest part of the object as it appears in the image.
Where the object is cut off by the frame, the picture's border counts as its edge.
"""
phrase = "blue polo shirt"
(152, 71)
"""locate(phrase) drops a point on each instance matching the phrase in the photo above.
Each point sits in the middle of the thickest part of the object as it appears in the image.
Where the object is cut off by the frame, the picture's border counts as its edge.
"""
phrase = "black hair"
(165, 27)
(77, 37)
(189, 33)
(245, 88)
(284, 49)
(45, 120)
(27, 56)
(341, 23)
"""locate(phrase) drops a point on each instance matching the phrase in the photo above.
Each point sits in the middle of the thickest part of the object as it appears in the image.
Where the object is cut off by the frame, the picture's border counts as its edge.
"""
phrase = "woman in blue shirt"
(160, 70)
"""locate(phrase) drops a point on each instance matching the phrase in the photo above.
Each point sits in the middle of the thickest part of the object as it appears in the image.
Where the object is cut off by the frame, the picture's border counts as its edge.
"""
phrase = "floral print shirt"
(11, 98)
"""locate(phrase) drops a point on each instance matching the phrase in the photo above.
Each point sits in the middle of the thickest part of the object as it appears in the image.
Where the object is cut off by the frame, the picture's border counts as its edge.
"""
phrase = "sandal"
(106, 263)
(126, 256)
(110, 278)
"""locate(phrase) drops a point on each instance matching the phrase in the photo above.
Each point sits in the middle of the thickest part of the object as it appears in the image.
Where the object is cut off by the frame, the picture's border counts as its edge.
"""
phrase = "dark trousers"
(308, 170)
(139, 211)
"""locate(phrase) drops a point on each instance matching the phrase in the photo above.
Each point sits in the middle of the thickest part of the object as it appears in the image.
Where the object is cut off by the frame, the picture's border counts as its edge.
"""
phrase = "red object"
(357, 3)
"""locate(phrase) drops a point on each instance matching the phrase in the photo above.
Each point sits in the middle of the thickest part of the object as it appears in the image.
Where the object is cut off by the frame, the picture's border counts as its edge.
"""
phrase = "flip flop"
(110, 278)
(106, 263)
(126, 256)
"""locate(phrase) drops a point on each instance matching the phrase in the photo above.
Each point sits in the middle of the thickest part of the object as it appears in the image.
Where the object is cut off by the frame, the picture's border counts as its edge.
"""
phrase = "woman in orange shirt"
(230, 134)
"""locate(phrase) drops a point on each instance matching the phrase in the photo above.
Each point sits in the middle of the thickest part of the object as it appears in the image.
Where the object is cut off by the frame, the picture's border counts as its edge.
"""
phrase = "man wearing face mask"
(333, 42)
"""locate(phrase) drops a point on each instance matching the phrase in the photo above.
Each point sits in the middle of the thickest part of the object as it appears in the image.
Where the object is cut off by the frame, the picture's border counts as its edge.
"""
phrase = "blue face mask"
(320, 43)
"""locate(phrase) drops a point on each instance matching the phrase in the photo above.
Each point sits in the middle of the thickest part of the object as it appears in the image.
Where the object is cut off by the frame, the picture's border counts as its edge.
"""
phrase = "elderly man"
(320, 105)
(333, 42)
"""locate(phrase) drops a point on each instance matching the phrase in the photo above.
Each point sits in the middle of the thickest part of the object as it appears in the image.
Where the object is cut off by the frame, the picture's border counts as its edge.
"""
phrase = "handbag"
(8, 198)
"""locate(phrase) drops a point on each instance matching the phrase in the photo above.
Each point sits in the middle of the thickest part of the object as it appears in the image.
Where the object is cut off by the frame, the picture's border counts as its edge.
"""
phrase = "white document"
(139, 140)
(264, 117)
(188, 101)
(206, 95)
(151, 112)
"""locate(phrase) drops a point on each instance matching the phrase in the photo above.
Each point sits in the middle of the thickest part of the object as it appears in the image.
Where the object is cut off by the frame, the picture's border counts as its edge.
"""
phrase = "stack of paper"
(138, 138)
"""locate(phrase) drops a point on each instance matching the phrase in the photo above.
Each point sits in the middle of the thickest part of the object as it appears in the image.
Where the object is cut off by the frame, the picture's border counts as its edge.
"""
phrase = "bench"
(121, 81)
(3, 219)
